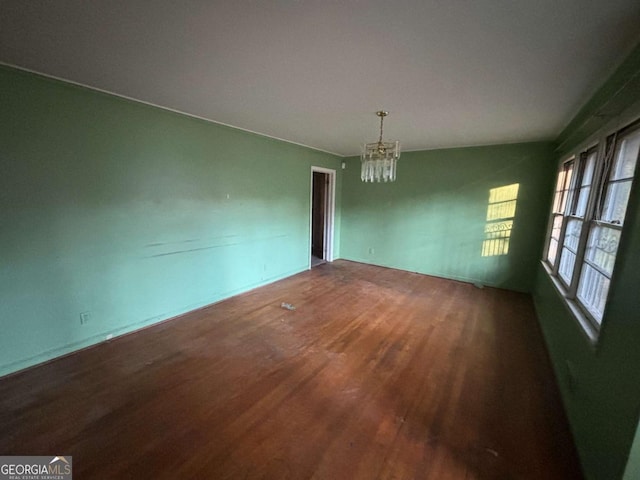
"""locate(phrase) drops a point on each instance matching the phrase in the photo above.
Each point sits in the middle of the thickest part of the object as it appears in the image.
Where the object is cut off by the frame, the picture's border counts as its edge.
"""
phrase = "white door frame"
(330, 212)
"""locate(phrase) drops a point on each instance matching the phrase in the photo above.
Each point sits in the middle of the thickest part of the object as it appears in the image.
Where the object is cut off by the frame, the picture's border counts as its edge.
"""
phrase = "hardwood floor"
(376, 374)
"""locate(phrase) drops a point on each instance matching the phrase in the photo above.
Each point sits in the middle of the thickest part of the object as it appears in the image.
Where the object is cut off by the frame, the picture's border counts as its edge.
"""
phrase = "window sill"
(587, 328)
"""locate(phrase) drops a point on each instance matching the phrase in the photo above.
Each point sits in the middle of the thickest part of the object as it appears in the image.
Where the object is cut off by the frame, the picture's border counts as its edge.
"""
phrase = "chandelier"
(379, 159)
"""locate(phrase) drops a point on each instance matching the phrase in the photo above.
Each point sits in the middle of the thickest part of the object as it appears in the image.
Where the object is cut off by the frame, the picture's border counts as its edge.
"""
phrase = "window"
(587, 219)
(576, 208)
(559, 204)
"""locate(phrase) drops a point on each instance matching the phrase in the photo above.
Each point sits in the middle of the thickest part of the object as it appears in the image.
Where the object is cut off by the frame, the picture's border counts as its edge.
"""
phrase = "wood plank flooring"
(376, 374)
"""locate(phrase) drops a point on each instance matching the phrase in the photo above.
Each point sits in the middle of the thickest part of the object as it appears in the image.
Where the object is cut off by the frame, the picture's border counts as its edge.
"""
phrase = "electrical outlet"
(85, 317)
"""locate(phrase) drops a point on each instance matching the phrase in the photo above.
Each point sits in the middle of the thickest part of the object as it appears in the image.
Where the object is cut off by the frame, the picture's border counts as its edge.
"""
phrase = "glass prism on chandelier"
(380, 159)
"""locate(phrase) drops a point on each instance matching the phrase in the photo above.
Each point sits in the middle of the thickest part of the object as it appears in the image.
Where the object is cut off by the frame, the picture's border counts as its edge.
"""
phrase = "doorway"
(322, 213)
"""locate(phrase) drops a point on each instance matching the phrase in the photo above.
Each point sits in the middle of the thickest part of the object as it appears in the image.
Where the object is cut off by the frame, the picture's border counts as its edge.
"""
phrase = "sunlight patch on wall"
(501, 211)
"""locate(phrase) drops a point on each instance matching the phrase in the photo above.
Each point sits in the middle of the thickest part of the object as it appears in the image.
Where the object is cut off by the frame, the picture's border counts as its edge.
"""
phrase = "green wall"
(632, 472)
(134, 214)
(600, 385)
(432, 219)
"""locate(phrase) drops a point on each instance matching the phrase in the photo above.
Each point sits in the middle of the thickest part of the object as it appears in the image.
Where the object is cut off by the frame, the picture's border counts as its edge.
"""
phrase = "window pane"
(583, 198)
(553, 242)
(619, 181)
(593, 290)
(567, 183)
(572, 235)
(585, 184)
(602, 247)
(626, 156)
(567, 261)
(557, 202)
(553, 251)
(570, 246)
(615, 204)
(587, 176)
(562, 175)
(562, 185)
(557, 225)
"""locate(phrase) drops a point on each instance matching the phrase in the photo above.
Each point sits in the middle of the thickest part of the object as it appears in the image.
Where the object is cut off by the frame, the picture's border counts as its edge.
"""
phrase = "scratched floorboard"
(377, 374)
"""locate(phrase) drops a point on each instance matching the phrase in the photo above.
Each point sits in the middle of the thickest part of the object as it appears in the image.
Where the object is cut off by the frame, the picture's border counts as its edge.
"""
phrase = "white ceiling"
(451, 73)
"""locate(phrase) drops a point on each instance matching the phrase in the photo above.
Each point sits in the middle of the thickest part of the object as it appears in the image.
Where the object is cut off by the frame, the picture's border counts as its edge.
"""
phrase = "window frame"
(607, 145)
(566, 165)
(570, 214)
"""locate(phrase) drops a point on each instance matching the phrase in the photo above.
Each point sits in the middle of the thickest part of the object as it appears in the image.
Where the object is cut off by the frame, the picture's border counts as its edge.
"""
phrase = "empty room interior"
(328, 240)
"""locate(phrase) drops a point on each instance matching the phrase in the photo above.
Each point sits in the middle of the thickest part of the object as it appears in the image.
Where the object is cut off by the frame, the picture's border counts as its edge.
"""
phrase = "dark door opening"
(319, 218)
